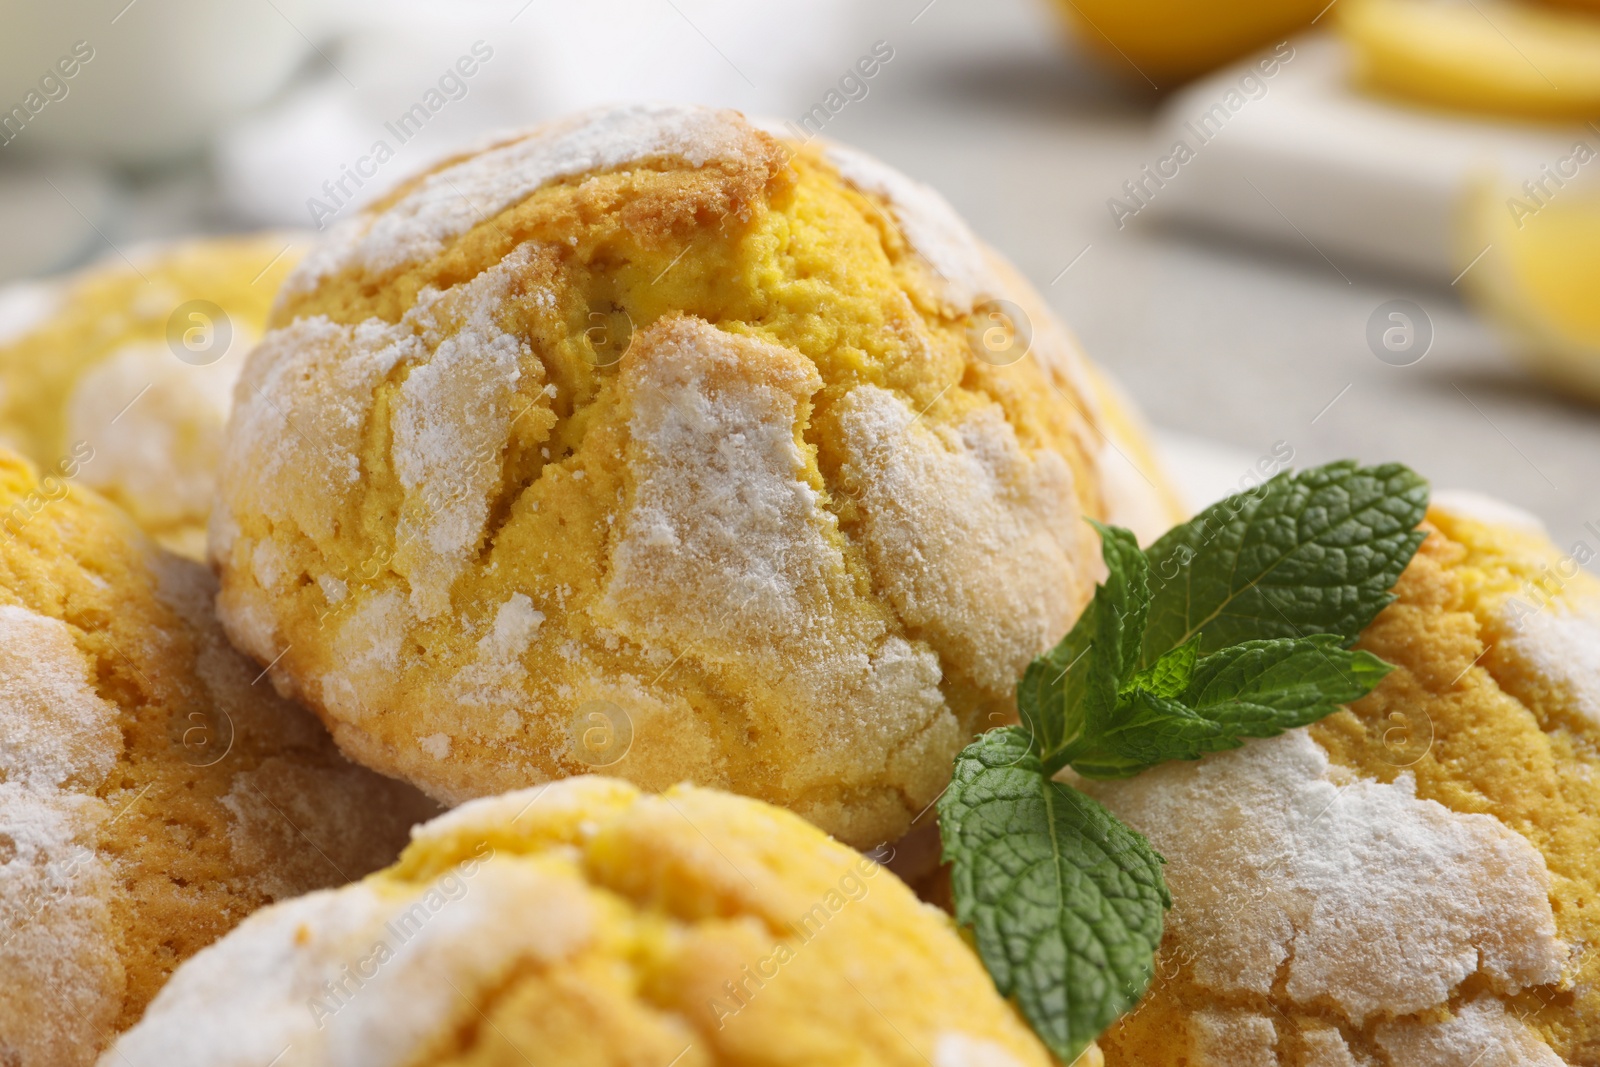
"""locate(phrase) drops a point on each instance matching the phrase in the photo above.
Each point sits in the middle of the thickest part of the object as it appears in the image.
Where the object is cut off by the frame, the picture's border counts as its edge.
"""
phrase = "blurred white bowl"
(163, 74)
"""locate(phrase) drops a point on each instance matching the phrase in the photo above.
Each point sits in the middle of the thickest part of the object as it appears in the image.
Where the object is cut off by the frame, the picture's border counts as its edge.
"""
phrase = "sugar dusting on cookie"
(60, 980)
(1350, 892)
(450, 201)
(940, 503)
(729, 545)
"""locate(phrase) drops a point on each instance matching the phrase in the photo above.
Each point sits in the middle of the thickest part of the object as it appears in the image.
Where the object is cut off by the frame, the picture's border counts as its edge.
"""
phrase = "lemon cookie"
(151, 796)
(1412, 882)
(646, 441)
(584, 923)
(128, 368)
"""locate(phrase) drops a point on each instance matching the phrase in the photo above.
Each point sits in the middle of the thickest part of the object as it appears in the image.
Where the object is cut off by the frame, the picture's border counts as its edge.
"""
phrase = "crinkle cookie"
(151, 795)
(582, 923)
(1414, 882)
(123, 374)
(646, 441)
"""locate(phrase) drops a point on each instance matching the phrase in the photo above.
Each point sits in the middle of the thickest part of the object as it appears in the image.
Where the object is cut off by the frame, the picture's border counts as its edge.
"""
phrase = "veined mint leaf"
(1128, 586)
(1150, 729)
(1257, 689)
(1262, 688)
(1315, 551)
(1072, 689)
(1066, 903)
(1169, 675)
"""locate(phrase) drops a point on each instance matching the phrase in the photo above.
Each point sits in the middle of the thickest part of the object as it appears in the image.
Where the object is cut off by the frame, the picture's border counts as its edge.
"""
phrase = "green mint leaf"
(1262, 688)
(1128, 584)
(1072, 689)
(1310, 552)
(1169, 675)
(1150, 729)
(1065, 902)
(1257, 689)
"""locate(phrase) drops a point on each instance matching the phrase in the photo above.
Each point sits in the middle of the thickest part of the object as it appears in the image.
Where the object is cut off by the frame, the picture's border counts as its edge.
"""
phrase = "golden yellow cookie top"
(643, 441)
(88, 370)
(151, 796)
(584, 923)
(1412, 881)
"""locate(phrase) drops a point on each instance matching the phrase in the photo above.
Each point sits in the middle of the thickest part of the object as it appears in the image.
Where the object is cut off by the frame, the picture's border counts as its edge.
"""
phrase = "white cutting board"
(1308, 163)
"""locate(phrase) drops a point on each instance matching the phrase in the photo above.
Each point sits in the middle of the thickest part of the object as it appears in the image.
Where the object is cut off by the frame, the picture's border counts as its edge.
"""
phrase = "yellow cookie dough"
(645, 441)
(584, 924)
(151, 796)
(1413, 882)
(90, 371)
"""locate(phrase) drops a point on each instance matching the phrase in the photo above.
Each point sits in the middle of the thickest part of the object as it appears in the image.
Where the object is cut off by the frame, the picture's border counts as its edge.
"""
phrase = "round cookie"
(646, 441)
(1412, 882)
(125, 371)
(151, 795)
(582, 923)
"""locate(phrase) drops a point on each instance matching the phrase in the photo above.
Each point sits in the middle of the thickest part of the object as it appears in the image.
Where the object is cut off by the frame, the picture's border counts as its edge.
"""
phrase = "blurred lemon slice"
(1540, 278)
(1584, 5)
(1173, 40)
(1478, 55)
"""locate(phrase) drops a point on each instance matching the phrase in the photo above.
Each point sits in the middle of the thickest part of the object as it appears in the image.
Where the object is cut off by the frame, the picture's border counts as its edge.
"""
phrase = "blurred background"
(1364, 228)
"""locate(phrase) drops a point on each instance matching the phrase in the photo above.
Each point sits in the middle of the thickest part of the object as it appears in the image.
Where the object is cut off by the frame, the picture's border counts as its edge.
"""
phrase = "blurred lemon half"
(1581, 5)
(1168, 41)
(1540, 276)
(1486, 56)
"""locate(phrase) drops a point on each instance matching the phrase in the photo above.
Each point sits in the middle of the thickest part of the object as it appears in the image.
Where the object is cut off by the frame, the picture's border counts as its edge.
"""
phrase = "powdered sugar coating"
(59, 732)
(1234, 1038)
(730, 543)
(452, 417)
(1549, 627)
(60, 980)
(449, 202)
(978, 545)
(1561, 643)
(1373, 900)
(1480, 1034)
(367, 642)
(325, 374)
(494, 679)
(320, 976)
(451, 422)
(156, 424)
(1327, 1047)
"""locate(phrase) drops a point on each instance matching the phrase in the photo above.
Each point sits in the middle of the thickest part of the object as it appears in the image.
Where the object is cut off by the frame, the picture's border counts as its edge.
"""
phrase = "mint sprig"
(1064, 900)
(1234, 625)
